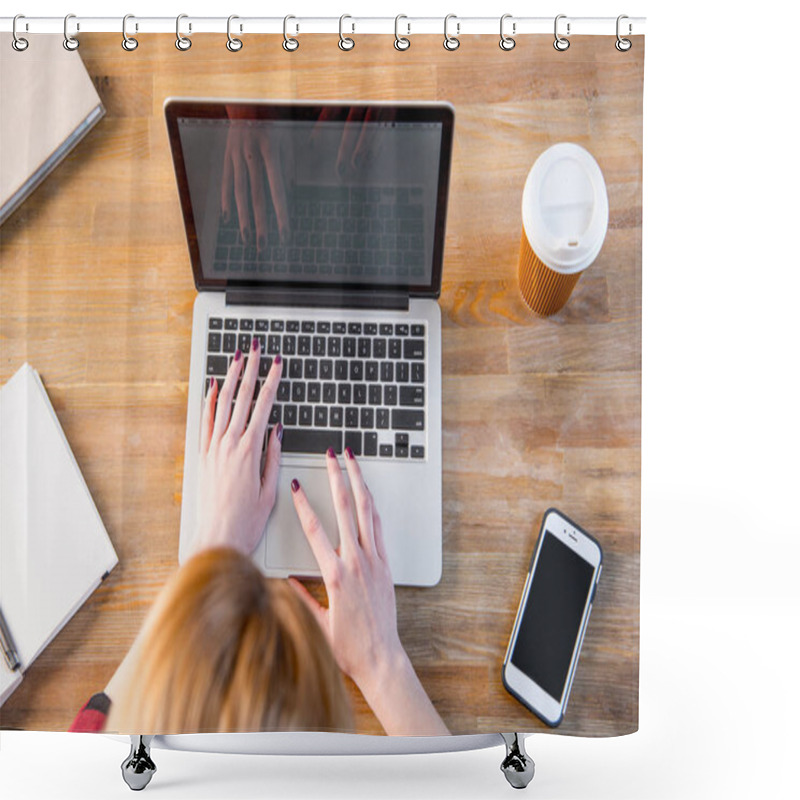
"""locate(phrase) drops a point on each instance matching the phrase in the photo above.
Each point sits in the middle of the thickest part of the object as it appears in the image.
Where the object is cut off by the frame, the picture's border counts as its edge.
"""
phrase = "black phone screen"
(552, 615)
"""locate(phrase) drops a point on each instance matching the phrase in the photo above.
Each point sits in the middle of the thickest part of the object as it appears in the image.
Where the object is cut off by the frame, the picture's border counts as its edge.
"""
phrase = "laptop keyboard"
(336, 231)
(344, 384)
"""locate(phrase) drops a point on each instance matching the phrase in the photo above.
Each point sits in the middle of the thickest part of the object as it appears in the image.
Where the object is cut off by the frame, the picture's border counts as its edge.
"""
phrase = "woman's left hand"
(235, 496)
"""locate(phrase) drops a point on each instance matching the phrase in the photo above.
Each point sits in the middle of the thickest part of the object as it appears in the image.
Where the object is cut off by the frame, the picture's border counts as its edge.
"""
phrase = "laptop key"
(379, 348)
(290, 344)
(337, 416)
(413, 349)
(275, 414)
(244, 342)
(273, 344)
(405, 420)
(390, 395)
(329, 393)
(217, 365)
(295, 368)
(245, 325)
(229, 343)
(292, 326)
(340, 370)
(314, 391)
(417, 451)
(370, 443)
(412, 395)
(319, 345)
(402, 372)
(310, 369)
(344, 393)
(262, 325)
(360, 393)
(215, 324)
(367, 418)
(231, 324)
(351, 417)
(310, 440)
(306, 416)
(364, 348)
(290, 415)
(386, 329)
(320, 417)
(214, 342)
(371, 373)
(326, 369)
(349, 346)
(417, 372)
(352, 439)
(284, 391)
(276, 325)
(382, 421)
(395, 348)
(386, 450)
(264, 366)
(356, 370)
(375, 395)
(304, 345)
(387, 371)
(417, 330)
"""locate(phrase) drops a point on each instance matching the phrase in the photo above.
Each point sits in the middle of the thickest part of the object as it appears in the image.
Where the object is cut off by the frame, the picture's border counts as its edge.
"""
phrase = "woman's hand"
(361, 619)
(236, 494)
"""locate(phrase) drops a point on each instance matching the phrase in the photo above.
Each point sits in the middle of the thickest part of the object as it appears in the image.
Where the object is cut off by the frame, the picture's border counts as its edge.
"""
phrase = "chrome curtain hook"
(70, 42)
(400, 42)
(345, 42)
(623, 45)
(507, 42)
(182, 42)
(233, 44)
(561, 44)
(129, 43)
(451, 42)
(290, 44)
(17, 42)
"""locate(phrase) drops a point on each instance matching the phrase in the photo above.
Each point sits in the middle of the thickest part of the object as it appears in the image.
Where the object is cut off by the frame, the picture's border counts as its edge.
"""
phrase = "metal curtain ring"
(345, 42)
(561, 44)
(451, 42)
(506, 42)
(400, 42)
(70, 42)
(233, 44)
(17, 42)
(182, 42)
(129, 43)
(290, 44)
(623, 45)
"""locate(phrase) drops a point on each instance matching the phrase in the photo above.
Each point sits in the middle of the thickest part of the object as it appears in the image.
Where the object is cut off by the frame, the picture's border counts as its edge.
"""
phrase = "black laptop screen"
(332, 196)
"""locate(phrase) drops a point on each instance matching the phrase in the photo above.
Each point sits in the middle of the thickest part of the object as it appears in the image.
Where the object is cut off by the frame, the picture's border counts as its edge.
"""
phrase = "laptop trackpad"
(287, 549)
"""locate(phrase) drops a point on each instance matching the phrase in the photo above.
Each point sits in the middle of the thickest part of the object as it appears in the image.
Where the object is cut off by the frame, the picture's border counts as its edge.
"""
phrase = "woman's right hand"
(361, 619)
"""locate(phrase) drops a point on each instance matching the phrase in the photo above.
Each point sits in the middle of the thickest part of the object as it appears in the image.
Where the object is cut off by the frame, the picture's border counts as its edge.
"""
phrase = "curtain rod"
(349, 25)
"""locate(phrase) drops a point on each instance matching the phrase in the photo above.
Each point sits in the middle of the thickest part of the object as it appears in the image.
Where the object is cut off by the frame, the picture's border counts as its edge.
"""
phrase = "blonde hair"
(226, 649)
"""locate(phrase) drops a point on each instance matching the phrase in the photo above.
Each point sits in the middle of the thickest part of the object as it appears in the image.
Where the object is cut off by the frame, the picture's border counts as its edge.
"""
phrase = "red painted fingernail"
(295, 485)
(331, 453)
(238, 355)
(255, 343)
(349, 453)
(279, 434)
(278, 359)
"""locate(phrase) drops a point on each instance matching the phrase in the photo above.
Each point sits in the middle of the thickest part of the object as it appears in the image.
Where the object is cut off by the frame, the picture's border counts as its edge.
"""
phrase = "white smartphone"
(552, 617)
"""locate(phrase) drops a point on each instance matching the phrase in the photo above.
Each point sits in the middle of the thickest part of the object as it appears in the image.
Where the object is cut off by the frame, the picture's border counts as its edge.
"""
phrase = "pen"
(9, 651)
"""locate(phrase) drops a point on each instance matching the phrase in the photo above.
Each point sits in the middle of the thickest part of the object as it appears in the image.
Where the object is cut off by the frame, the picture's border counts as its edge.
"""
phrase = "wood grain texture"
(96, 291)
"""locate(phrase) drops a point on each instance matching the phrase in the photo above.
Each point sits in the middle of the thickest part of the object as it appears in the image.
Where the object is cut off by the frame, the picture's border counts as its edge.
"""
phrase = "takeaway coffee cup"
(564, 223)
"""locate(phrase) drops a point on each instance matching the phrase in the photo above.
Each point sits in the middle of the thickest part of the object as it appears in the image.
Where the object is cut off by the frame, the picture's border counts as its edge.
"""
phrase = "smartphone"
(552, 617)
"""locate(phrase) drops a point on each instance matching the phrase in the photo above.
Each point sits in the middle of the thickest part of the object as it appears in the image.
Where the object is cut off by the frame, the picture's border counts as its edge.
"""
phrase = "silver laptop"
(320, 229)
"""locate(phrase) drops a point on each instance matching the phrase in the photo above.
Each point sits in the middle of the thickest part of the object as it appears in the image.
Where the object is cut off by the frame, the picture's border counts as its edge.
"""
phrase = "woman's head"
(226, 649)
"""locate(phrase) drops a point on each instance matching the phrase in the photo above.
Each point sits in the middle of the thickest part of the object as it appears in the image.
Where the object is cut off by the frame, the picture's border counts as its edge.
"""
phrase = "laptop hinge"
(317, 298)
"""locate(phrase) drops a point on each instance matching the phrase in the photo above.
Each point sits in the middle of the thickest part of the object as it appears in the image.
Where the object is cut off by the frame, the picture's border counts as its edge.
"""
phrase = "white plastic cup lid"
(565, 208)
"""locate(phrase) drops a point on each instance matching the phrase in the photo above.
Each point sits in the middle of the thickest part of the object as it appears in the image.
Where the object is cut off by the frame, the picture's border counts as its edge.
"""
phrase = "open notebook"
(54, 549)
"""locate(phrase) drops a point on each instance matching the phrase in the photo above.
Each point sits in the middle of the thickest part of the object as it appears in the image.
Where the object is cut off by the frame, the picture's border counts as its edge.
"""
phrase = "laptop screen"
(297, 194)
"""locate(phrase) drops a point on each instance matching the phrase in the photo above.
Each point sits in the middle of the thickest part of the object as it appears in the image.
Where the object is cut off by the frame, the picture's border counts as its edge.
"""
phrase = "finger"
(315, 534)
(209, 406)
(241, 189)
(350, 135)
(319, 613)
(361, 151)
(277, 188)
(245, 397)
(377, 527)
(342, 505)
(258, 191)
(259, 420)
(272, 465)
(227, 183)
(363, 501)
(226, 396)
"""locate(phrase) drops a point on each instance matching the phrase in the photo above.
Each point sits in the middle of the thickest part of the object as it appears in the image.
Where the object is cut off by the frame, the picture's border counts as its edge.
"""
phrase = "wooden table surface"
(97, 292)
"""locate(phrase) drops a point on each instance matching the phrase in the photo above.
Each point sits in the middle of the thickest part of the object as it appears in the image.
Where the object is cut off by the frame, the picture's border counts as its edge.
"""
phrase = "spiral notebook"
(49, 105)
(54, 549)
